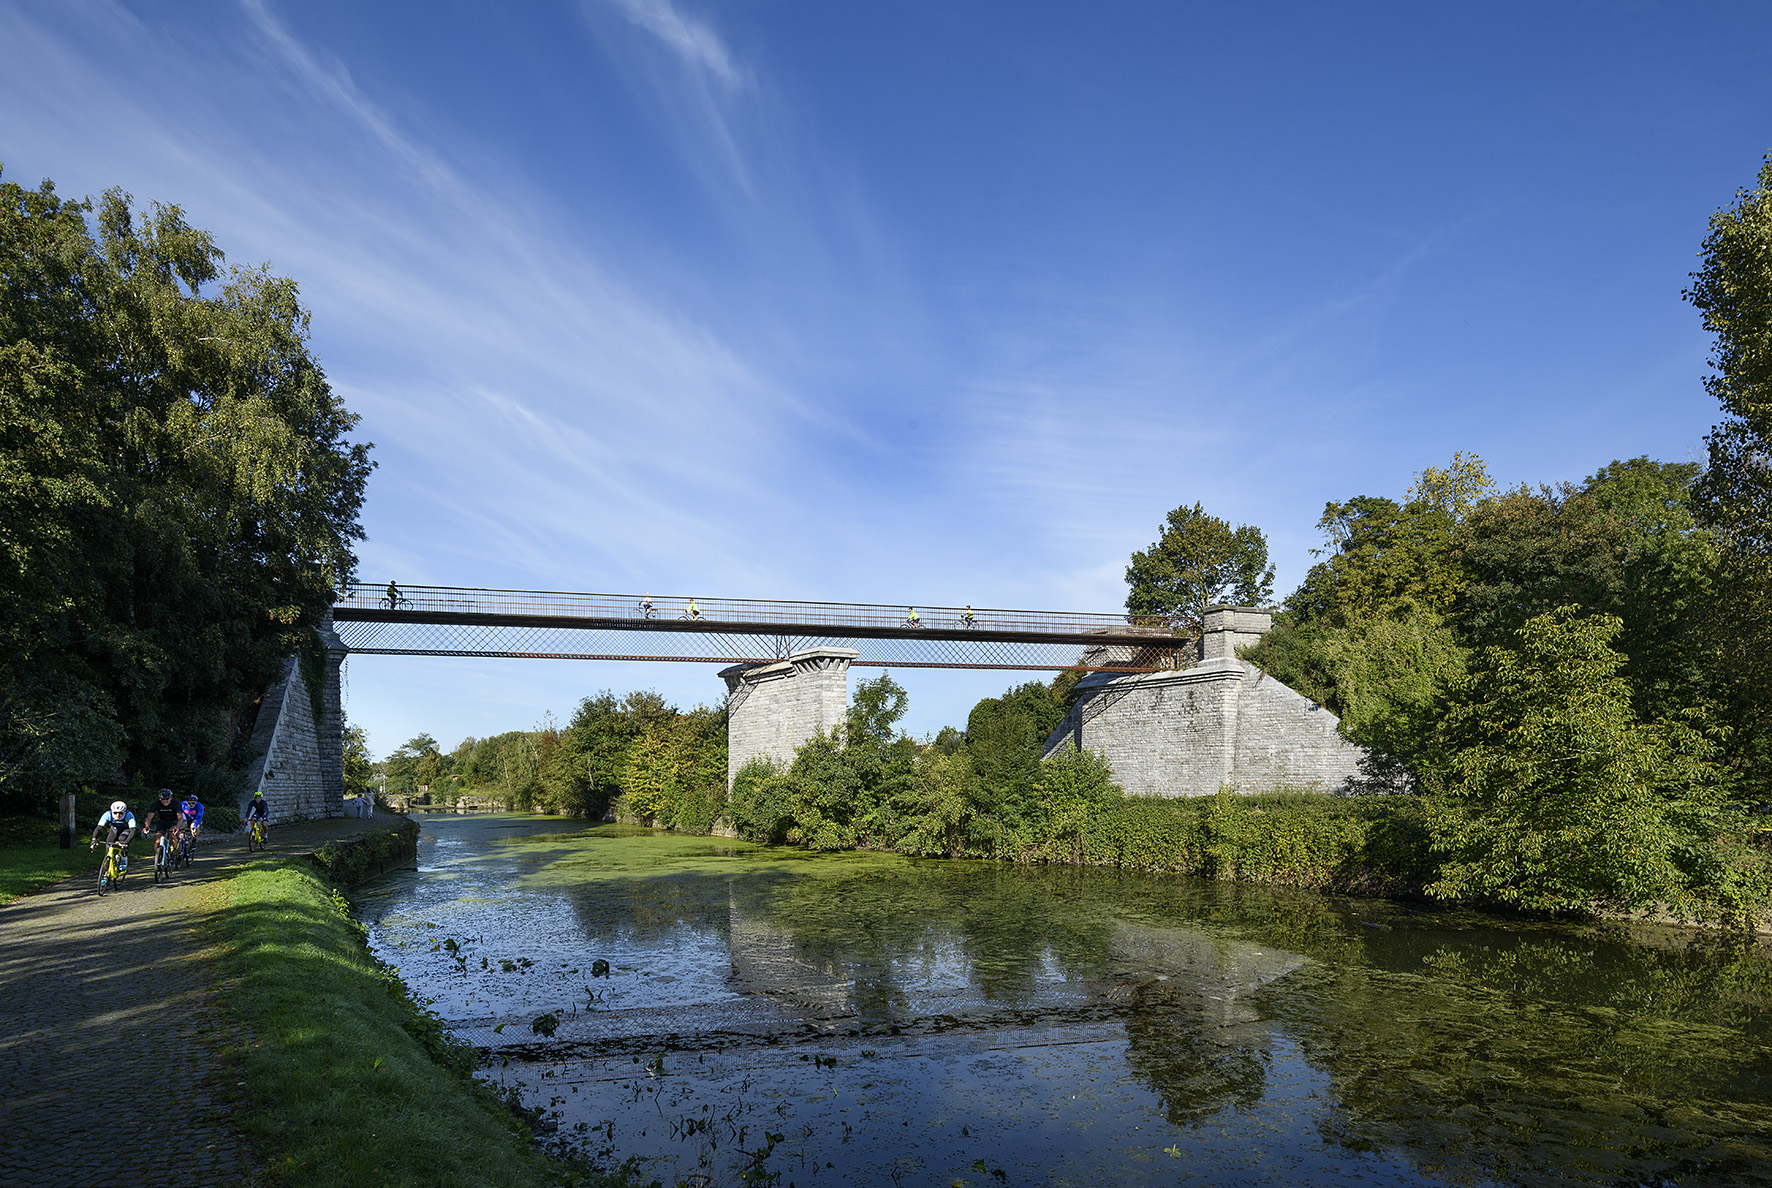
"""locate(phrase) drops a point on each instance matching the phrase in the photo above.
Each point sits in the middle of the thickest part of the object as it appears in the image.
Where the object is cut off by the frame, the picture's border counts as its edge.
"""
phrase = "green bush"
(1367, 845)
(762, 801)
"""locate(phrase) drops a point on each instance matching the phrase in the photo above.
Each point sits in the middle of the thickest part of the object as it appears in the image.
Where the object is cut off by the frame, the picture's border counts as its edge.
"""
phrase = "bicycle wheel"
(104, 875)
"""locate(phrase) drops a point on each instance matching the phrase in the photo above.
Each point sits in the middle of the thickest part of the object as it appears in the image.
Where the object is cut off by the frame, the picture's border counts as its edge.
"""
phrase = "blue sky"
(919, 302)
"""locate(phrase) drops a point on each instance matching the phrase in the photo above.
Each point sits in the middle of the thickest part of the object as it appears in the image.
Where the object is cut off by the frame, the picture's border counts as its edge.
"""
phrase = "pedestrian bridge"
(556, 625)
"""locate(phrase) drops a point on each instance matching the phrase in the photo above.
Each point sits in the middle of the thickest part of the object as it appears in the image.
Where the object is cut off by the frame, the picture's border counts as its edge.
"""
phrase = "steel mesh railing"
(456, 621)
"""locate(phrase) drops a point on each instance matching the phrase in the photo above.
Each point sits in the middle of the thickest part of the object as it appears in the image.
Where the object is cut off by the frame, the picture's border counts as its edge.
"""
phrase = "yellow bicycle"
(255, 838)
(110, 868)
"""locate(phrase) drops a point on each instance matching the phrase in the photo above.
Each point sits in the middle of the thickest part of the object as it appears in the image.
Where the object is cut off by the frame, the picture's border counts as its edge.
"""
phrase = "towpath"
(109, 1019)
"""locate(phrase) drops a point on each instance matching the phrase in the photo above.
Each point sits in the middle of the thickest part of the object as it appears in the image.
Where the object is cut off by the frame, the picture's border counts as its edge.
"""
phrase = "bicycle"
(183, 855)
(110, 868)
(393, 602)
(162, 858)
(255, 836)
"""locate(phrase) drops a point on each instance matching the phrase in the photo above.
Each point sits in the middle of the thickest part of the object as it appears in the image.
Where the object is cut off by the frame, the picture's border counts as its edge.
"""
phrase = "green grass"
(350, 1082)
(31, 857)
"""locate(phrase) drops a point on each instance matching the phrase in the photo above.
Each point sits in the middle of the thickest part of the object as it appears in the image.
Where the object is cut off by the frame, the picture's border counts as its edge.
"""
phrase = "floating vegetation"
(929, 1022)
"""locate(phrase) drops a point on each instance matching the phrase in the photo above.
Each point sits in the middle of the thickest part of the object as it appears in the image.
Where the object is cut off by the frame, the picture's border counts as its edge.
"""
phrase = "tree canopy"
(1198, 560)
(1733, 292)
(178, 494)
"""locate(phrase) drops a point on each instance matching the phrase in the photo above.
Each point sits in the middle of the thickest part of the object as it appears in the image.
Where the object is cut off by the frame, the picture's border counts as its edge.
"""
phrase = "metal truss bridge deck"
(554, 625)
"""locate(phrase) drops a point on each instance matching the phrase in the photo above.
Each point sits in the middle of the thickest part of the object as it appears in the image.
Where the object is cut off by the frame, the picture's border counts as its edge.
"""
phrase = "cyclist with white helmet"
(117, 824)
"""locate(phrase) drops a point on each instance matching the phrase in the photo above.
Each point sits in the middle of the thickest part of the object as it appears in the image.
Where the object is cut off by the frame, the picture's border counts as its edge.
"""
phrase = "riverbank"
(282, 1052)
(348, 1081)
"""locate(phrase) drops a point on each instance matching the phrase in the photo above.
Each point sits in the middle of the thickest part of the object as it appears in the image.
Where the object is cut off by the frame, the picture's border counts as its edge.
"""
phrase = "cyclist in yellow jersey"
(694, 610)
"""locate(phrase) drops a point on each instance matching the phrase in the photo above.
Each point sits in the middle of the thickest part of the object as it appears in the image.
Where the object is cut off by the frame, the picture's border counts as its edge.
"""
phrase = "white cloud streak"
(697, 44)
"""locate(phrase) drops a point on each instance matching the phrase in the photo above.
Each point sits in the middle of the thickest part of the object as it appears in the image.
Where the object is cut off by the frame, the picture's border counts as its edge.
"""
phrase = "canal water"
(733, 1013)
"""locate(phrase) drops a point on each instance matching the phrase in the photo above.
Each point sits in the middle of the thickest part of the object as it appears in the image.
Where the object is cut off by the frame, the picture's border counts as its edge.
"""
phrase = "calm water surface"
(853, 1018)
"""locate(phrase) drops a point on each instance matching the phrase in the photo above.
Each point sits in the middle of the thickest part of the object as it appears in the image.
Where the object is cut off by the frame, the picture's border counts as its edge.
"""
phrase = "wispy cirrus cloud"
(694, 41)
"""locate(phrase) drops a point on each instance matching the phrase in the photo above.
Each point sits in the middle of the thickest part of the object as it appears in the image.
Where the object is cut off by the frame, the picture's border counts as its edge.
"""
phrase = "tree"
(1074, 788)
(1733, 292)
(416, 766)
(1004, 740)
(1369, 632)
(1455, 490)
(1553, 796)
(1198, 560)
(359, 771)
(178, 499)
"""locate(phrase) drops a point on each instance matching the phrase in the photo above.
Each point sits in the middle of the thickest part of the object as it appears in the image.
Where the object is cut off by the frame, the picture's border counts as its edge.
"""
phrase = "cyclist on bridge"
(646, 604)
(694, 610)
(912, 618)
(970, 619)
(118, 825)
(394, 598)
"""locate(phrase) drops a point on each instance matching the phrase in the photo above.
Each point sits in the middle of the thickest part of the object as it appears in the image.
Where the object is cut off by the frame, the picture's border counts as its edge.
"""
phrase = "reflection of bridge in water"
(543, 624)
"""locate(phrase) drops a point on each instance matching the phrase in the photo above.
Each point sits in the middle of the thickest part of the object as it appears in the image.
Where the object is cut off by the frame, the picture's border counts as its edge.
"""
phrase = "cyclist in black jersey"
(162, 817)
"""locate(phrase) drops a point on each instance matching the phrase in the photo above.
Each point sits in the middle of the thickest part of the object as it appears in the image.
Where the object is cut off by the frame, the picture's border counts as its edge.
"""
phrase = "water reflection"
(904, 1020)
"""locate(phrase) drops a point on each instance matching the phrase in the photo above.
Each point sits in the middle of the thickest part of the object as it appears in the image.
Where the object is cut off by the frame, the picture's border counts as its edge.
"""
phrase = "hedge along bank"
(1367, 845)
(356, 860)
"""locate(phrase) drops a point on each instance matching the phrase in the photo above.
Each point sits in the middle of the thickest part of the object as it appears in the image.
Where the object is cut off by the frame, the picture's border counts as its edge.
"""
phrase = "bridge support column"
(773, 708)
(1220, 723)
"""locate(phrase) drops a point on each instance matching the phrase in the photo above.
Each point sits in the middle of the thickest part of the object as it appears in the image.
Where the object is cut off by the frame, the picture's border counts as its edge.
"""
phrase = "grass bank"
(351, 1083)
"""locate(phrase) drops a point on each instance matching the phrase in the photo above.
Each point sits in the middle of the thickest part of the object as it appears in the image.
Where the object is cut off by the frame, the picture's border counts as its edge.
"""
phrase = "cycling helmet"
(259, 794)
(165, 793)
(117, 806)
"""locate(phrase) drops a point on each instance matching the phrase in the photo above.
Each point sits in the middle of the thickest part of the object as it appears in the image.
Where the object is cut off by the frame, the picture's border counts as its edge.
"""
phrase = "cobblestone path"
(109, 1017)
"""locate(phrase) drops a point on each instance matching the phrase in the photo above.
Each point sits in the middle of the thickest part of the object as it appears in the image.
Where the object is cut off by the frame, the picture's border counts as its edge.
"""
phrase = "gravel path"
(109, 1016)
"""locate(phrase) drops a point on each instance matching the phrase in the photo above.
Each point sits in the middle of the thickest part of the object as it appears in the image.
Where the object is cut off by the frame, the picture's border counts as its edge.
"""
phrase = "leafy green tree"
(762, 801)
(1198, 560)
(948, 802)
(1456, 490)
(1004, 740)
(1625, 543)
(417, 766)
(1733, 292)
(359, 771)
(1074, 788)
(1553, 796)
(1370, 631)
(178, 498)
(650, 774)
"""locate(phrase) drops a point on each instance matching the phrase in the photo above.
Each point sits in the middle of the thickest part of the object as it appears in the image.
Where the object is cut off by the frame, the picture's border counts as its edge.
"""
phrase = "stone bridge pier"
(1219, 723)
(773, 708)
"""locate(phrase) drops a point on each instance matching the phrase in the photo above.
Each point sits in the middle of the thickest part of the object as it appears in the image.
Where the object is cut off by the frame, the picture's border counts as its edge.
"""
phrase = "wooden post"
(68, 821)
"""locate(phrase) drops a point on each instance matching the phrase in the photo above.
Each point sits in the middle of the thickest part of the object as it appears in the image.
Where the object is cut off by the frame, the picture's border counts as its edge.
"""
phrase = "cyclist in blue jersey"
(191, 809)
(117, 825)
